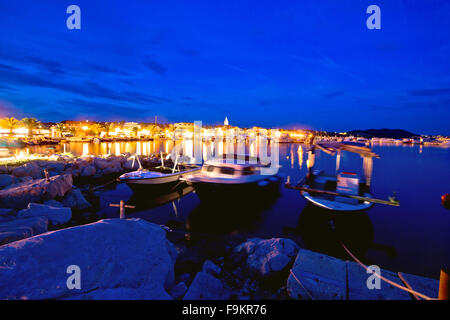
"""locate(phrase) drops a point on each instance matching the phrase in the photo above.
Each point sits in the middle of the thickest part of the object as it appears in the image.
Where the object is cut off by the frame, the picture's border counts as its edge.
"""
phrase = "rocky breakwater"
(27, 194)
(40, 190)
(28, 208)
(117, 259)
(253, 270)
(21, 216)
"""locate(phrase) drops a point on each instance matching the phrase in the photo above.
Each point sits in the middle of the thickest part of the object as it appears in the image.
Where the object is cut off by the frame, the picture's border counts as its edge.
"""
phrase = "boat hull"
(332, 204)
(212, 191)
(156, 185)
(160, 188)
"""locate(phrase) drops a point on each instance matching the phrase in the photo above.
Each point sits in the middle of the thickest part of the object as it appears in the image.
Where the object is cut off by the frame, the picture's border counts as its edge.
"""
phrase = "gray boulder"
(207, 287)
(88, 171)
(6, 212)
(131, 164)
(53, 203)
(101, 163)
(7, 180)
(211, 268)
(22, 228)
(29, 169)
(74, 199)
(35, 191)
(116, 257)
(178, 291)
(317, 276)
(268, 257)
(55, 215)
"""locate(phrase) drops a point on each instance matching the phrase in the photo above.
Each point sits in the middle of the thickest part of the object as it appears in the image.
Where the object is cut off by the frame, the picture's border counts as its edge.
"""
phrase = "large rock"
(317, 276)
(7, 180)
(131, 164)
(358, 290)
(35, 191)
(22, 228)
(179, 290)
(29, 169)
(7, 212)
(116, 257)
(55, 215)
(268, 257)
(75, 200)
(55, 168)
(88, 171)
(206, 287)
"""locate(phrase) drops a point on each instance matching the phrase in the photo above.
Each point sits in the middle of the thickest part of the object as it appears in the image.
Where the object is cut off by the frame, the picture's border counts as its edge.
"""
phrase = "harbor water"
(413, 238)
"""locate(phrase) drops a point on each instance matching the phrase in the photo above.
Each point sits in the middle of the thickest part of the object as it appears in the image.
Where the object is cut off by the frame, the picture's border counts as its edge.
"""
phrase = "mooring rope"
(102, 186)
(295, 277)
(411, 291)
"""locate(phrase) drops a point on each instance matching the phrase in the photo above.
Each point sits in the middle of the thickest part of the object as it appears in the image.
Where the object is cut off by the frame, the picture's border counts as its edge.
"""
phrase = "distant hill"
(383, 133)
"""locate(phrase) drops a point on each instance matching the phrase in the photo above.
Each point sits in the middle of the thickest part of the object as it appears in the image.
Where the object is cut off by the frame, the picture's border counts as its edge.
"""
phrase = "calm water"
(411, 238)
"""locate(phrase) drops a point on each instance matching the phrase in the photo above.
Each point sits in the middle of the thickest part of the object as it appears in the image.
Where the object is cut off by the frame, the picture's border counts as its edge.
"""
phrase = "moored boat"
(342, 191)
(158, 179)
(234, 175)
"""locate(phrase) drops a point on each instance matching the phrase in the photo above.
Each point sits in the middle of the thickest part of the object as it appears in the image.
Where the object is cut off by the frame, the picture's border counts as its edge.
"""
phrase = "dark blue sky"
(310, 64)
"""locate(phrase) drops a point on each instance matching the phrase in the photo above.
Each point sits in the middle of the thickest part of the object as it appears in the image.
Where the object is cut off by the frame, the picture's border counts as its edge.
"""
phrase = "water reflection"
(323, 231)
(146, 202)
(417, 230)
(228, 215)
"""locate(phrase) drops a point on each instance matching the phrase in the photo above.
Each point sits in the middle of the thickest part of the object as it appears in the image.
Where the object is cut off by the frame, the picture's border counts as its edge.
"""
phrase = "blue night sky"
(310, 64)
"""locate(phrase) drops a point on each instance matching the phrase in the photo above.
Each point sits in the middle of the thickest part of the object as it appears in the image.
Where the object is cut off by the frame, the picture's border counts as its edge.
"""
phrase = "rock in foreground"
(56, 215)
(115, 256)
(268, 257)
(206, 287)
(35, 191)
(19, 229)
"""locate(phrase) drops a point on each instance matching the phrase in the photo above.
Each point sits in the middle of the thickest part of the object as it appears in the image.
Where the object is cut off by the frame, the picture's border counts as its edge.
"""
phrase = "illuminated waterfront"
(411, 238)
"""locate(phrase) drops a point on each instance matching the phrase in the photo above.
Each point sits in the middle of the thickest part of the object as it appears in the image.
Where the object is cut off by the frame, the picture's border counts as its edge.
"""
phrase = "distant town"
(31, 131)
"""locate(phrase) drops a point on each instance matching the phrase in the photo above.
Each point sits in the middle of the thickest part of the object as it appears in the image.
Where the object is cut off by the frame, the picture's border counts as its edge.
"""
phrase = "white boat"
(158, 179)
(236, 174)
(344, 183)
(342, 191)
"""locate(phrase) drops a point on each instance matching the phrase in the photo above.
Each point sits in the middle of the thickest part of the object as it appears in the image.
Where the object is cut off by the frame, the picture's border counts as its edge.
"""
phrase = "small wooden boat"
(327, 191)
(342, 191)
(158, 179)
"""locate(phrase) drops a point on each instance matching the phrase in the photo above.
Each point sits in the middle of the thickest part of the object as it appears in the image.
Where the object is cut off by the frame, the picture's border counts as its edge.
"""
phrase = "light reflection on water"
(145, 148)
(411, 238)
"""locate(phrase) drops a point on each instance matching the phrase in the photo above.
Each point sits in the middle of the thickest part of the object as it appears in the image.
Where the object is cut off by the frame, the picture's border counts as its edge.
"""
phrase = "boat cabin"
(229, 170)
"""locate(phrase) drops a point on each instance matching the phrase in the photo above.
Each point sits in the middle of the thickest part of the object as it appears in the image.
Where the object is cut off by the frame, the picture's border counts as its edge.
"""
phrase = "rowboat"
(343, 190)
(159, 179)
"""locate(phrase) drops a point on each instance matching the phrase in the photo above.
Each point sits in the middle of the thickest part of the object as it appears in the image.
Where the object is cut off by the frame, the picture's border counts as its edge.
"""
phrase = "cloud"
(189, 52)
(334, 94)
(154, 66)
(429, 92)
(236, 68)
(8, 67)
(51, 66)
(104, 69)
(96, 109)
(89, 89)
